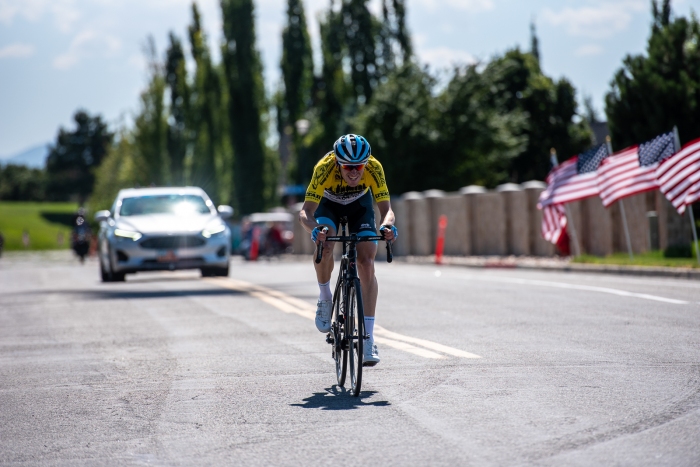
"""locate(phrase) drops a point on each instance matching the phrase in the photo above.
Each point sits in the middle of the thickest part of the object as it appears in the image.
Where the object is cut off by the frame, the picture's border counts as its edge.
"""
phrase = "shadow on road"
(339, 398)
(130, 294)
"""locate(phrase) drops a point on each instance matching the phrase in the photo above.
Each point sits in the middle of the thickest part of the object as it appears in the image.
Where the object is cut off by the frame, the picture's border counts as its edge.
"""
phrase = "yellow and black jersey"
(328, 182)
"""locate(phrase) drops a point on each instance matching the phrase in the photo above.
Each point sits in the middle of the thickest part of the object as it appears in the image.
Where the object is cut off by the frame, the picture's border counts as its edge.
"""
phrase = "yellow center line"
(289, 304)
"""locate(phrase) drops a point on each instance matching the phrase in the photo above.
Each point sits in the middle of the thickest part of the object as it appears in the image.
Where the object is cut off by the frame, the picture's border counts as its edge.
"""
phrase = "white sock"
(326, 293)
(369, 326)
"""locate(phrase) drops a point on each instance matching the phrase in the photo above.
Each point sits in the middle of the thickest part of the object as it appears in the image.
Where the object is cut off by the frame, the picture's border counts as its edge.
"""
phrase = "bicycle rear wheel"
(340, 355)
(355, 334)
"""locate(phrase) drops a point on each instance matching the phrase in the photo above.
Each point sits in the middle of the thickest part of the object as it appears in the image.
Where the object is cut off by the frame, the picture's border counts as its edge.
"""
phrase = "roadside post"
(440, 242)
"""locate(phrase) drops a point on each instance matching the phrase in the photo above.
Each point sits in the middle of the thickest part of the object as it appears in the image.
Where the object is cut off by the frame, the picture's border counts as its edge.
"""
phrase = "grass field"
(651, 258)
(46, 223)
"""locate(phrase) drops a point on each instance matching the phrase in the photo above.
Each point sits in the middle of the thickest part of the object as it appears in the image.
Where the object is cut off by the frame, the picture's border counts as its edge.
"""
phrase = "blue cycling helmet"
(352, 149)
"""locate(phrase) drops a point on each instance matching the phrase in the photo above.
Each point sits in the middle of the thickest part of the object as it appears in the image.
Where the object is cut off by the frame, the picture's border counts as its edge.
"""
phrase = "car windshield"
(181, 205)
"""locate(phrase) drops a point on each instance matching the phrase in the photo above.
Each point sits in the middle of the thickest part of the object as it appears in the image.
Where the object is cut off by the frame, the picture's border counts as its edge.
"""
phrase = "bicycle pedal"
(329, 338)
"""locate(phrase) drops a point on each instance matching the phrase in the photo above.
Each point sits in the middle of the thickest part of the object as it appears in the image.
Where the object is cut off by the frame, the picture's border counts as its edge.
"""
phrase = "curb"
(552, 264)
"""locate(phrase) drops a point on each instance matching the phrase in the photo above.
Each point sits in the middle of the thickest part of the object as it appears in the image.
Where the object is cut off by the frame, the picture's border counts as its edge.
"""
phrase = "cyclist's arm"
(387, 216)
(306, 215)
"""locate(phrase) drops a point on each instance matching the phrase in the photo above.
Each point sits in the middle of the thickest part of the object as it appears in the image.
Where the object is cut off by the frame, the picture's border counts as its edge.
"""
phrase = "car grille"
(172, 241)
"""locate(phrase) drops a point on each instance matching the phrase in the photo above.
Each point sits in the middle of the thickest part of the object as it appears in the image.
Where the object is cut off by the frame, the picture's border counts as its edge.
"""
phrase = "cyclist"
(344, 183)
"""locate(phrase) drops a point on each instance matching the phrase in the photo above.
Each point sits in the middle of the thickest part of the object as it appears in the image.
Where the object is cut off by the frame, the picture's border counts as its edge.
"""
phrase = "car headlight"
(212, 231)
(127, 234)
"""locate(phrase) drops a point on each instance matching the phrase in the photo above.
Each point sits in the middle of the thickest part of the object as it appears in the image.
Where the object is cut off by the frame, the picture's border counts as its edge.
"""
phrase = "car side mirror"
(226, 212)
(102, 215)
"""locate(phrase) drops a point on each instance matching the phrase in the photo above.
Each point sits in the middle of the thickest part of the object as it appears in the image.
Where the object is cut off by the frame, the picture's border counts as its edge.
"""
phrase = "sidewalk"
(551, 264)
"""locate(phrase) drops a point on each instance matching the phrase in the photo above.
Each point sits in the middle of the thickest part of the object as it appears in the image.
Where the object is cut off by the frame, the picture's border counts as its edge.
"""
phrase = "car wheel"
(215, 272)
(104, 275)
(111, 275)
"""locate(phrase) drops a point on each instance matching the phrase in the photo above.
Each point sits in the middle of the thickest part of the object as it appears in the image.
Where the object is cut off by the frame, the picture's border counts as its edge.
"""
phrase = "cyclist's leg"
(366, 251)
(363, 223)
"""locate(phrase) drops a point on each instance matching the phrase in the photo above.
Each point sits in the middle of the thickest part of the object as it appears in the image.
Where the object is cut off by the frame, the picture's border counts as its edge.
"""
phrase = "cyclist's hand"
(389, 231)
(319, 234)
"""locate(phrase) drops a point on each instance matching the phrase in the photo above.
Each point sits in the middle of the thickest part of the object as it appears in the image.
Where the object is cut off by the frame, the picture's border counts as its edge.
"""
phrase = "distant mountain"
(34, 157)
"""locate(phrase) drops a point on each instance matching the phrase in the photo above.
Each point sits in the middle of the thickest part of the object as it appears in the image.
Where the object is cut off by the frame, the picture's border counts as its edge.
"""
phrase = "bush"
(678, 251)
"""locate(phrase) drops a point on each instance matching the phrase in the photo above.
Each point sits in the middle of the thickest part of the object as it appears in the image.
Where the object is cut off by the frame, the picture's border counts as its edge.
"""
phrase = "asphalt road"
(479, 367)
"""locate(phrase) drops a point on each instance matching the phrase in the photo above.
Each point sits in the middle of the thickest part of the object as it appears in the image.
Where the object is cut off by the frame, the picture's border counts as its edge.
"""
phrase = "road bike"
(347, 332)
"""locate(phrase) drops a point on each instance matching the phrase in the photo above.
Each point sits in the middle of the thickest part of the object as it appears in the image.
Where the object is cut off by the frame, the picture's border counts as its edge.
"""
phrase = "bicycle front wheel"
(340, 354)
(355, 334)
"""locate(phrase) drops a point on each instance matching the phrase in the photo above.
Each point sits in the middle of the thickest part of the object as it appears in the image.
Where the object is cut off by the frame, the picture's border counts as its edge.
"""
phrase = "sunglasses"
(350, 167)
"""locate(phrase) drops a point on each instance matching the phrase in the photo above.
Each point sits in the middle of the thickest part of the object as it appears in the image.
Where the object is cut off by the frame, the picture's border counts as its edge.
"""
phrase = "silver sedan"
(151, 229)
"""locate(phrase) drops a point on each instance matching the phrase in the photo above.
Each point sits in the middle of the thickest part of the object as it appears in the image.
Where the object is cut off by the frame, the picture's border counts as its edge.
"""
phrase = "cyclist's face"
(352, 177)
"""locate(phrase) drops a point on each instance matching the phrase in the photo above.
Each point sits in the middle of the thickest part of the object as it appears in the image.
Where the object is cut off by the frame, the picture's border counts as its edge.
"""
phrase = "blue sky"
(60, 55)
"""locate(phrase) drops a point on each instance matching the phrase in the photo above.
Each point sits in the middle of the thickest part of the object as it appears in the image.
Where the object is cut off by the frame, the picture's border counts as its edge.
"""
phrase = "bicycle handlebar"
(355, 239)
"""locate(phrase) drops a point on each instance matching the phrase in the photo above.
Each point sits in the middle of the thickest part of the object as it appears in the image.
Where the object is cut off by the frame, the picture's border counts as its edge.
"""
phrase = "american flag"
(679, 176)
(553, 222)
(574, 179)
(633, 170)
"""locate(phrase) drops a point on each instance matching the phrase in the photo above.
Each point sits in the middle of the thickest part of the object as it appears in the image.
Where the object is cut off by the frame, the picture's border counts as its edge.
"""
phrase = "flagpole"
(622, 209)
(690, 207)
(695, 233)
(574, 237)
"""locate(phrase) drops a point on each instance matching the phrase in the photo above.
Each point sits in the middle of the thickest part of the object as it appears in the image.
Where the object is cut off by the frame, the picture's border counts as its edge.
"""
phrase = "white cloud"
(600, 19)
(588, 50)
(465, 5)
(65, 12)
(16, 51)
(88, 43)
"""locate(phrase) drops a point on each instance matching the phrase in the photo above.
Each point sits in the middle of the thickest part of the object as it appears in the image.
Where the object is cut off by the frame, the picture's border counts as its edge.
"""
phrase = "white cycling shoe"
(370, 354)
(324, 309)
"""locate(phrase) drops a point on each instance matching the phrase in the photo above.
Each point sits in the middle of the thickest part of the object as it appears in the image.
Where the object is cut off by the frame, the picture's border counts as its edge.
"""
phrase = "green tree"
(151, 126)
(297, 75)
(393, 37)
(21, 183)
(118, 170)
(361, 31)
(651, 93)
(446, 141)
(177, 134)
(211, 157)
(246, 101)
(74, 156)
(518, 84)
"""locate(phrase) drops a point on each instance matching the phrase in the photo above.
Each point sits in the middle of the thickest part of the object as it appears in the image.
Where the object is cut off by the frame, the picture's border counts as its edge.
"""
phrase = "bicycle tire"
(355, 332)
(340, 355)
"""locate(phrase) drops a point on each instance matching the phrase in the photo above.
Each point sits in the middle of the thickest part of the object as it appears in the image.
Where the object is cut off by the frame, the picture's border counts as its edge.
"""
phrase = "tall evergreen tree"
(177, 137)
(332, 87)
(74, 157)
(211, 151)
(534, 42)
(394, 37)
(297, 74)
(246, 93)
(151, 126)
(361, 31)
(651, 93)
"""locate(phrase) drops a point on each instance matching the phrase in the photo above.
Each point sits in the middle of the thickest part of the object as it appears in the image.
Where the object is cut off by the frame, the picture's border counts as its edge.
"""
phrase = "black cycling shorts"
(360, 214)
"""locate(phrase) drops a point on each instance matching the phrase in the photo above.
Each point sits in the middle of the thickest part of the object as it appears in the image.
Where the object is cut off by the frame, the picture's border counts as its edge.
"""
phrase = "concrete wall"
(538, 245)
(489, 224)
(517, 219)
(418, 214)
(457, 233)
(596, 227)
(507, 222)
